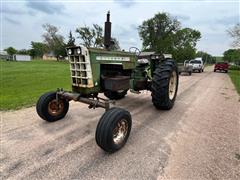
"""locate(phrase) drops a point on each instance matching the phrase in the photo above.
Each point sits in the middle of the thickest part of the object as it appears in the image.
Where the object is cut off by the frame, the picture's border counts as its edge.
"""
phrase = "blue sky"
(21, 20)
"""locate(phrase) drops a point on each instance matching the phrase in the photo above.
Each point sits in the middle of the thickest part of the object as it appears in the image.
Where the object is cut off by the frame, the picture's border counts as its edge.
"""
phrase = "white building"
(4, 55)
(19, 57)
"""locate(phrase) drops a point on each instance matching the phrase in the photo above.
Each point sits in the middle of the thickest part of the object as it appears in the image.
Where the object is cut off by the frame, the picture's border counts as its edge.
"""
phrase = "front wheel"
(113, 129)
(50, 109)
(165, 85)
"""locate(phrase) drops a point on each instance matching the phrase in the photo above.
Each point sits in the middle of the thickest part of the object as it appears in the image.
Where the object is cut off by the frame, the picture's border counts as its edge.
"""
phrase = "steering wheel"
(135, 50)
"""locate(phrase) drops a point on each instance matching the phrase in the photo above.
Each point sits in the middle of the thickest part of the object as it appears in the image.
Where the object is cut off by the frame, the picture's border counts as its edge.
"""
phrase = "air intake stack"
(107, 32)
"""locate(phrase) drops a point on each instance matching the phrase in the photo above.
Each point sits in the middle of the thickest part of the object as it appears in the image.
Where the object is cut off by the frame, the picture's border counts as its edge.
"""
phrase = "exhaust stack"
(107, 32)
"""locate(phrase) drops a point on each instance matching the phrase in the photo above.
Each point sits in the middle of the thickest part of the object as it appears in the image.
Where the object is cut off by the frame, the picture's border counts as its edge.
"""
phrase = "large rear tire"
(113, 129)
(165, 85)
(49, 109)
(115, 95)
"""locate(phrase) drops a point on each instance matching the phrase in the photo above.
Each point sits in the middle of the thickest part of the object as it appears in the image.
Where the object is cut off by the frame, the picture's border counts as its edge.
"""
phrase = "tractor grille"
(80, 71)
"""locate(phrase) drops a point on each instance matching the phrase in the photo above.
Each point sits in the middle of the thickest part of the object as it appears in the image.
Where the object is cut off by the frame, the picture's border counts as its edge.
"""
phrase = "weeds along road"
(198, 139)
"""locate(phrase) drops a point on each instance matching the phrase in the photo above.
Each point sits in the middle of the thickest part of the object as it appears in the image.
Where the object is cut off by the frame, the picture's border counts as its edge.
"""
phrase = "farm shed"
(4, 55)
(49, 56)
(19, 57)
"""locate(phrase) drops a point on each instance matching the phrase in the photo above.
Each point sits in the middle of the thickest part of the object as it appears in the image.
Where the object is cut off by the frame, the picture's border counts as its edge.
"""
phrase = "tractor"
(114, 73)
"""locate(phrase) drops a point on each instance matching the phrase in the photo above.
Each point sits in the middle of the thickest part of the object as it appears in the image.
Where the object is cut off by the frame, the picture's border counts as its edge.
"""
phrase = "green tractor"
(113, 73)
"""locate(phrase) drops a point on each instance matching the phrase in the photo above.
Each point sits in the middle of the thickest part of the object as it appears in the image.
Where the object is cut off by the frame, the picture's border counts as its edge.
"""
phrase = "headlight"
(157, 57)
(79, 51)
(69, 51)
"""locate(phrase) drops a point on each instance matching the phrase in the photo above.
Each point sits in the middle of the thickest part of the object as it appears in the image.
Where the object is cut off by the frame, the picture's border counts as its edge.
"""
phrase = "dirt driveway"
(198, 139)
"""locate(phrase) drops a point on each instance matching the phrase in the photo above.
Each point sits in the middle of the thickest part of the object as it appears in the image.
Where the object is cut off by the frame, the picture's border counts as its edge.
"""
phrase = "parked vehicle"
(221, 66)
(185, 68)
(197, 65)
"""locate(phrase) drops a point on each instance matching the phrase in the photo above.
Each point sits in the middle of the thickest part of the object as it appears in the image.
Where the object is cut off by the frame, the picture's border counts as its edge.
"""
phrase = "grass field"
(235, 76)
(23, 82)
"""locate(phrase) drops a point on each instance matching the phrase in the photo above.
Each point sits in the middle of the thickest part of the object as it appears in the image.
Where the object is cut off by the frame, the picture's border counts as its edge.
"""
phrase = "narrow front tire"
(50, 109)
(113, 129)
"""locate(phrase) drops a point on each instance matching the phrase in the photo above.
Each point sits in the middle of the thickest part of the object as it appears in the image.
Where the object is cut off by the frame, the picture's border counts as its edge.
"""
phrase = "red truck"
(221, 66)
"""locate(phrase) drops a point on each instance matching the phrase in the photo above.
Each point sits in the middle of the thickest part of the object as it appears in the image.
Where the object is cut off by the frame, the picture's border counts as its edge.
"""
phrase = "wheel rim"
(55, 108)
(172, 85)
(120, 131)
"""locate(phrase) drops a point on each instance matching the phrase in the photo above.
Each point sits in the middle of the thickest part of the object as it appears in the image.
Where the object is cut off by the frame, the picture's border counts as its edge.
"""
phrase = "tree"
(93, 37)
(115, 45)
(162, 34)
(71, 39)
(86, 36)
(184, 53)
(38, 49)
(184, 42)
(98, 35)
(54, 41)
(207, 58)
(24, 51)
(235, 34)
(232, 55)
(157, 33)
(10, 50)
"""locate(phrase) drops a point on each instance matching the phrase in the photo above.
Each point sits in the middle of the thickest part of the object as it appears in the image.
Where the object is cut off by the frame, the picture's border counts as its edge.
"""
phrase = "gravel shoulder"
(198, 139)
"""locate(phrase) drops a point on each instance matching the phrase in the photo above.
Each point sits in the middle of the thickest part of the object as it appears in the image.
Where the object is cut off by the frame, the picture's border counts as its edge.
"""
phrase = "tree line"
(233, 55)
(54, 42)
(162, 34)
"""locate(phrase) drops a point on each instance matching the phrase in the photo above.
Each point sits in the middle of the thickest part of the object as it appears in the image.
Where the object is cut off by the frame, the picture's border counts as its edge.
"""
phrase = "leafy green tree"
(157, 33)
(71, 39)
(93, 37)
(10, 50)
(38, 49)
(88, 36)
(184, 53)
(24, 51)
(235, 34)
(184, 42)
(98, 35)
(232, 55)
(207, 58)
(115, 45)
(54, 41)
(163, 34)
(186, 37)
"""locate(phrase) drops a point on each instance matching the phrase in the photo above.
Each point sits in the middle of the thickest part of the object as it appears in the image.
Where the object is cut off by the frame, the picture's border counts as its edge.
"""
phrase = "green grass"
(23, 82)
(235, 76)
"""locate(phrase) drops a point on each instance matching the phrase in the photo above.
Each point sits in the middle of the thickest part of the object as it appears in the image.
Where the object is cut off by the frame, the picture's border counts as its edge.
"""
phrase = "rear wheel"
(115, 95)
(165, 85)
(113, 129)
(50, 109)
(190, 73)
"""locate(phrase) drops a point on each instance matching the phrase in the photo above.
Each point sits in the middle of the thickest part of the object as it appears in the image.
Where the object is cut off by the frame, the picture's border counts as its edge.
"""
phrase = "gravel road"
(198, 139)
